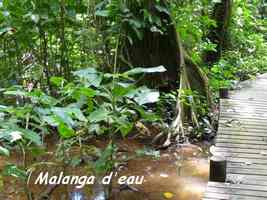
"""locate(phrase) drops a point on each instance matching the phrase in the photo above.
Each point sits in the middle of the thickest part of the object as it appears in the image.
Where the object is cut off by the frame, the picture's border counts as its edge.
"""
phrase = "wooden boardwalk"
(242, 139)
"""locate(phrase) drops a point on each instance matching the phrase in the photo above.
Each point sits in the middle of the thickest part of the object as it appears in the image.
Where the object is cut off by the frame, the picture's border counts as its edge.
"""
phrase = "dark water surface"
(181, 173)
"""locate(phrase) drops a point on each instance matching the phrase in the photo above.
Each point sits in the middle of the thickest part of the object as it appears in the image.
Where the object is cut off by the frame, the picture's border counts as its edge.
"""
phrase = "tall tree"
(222, 12)
(157, 42)
(154, 43)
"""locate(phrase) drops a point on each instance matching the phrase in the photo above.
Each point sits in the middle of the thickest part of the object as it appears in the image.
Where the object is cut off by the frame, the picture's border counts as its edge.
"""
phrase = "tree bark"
(155, 48)
(166, 49)
(219, 35)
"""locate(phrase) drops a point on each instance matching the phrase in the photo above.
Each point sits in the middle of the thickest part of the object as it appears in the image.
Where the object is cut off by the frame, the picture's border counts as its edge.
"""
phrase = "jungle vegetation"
(79, 70)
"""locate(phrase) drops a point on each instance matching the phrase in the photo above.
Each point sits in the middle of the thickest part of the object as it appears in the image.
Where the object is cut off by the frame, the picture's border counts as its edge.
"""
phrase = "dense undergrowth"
(59, 72)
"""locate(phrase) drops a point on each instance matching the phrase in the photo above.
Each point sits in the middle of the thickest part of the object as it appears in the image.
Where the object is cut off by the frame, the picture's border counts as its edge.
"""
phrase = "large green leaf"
(13, 170)
(147, 97)
(98, 115)
(3, 108)
(121, 90)
(65, 131)
(83, 91)
(139, 70)
(31, 136)
(104, 163)
(77, 113)
(16, 134)
(57, 81)
(16, 93)
(5, 30)
(11, 135)
(37, 96)
(102, 13)
(147, 115)
(63, 115)
(88, 92)
(125, 128)
(89, 76)
(4, 151)
(162, 9)
(144, 95)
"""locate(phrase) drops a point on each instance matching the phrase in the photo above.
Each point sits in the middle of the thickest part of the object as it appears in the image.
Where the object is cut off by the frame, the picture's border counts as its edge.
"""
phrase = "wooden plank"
(243, 108)
(242, 155)
(238, 141)
(236, 131)
(244, 100)
(248, 100)
(237, 186)
(242, 139)
(262, 172)
(208, 199)
(241, 121)
(244, 115)
(241, 133)
(252, 102)
(247, 127)
(235, 120)
(236, 191)
(231, 196)
(247, 161)
(244, 166)
(240, 117)
(237, 150)
(243, 146)
(235, 103)
(248, 95)
(247, 179)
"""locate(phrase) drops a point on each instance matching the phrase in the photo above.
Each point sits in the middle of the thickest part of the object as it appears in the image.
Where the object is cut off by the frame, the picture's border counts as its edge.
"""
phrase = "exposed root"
(157, 138)
(191, 78)
(167, 142)
(47, 192)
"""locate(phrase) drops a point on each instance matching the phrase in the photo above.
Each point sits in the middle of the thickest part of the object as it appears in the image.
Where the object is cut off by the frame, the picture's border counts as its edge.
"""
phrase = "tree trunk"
(154, 48)
(166, 49)
(219, 35)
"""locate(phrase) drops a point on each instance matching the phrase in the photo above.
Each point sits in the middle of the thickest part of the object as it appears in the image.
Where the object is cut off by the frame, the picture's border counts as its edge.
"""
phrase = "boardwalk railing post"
(217, 169)
(224, 93)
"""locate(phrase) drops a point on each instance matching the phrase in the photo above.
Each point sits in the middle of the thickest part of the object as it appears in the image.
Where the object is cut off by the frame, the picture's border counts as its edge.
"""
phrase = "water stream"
(180, 173)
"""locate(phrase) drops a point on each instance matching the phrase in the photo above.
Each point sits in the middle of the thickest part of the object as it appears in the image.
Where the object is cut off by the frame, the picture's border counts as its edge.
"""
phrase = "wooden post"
(224, 93)
(217, 169)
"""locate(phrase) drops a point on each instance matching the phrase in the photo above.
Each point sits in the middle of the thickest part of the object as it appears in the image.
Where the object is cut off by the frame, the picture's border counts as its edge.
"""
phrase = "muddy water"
(181, 173)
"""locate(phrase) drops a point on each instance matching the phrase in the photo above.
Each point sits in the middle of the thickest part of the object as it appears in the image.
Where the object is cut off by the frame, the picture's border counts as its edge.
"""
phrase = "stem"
(63, 47)
(23, 155)
(25, 185)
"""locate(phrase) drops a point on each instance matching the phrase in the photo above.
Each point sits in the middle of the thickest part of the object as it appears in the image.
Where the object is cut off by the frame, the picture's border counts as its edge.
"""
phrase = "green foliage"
(148, 152)
(136, 16)
(12, 170)
(53, 37)
(106, 161)
(94, 103)
(194, 101)
(247, 54)
(193, 23)
(48, 88)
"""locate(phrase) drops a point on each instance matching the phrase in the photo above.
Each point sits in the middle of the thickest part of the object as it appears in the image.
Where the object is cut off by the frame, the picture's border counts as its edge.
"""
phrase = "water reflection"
(181, 172)
(185, 176)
